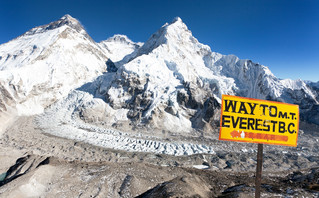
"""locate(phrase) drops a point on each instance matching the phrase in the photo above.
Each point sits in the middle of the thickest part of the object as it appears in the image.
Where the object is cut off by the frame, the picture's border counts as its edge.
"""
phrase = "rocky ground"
(143, 125)
(36, 164)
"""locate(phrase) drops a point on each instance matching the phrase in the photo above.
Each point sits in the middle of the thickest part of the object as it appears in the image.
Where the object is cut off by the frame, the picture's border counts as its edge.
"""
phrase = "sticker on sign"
(258, 121)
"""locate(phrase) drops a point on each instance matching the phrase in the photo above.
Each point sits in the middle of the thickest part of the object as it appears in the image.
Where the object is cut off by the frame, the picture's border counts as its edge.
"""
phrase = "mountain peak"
(177, 25)
(67, 16)
(65, 20)
(68, 19)
(174, 32)
(119, 38)
(177, 19)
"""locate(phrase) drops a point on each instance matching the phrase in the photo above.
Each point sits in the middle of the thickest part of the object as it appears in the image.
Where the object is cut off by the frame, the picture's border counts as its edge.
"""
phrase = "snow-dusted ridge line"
(171, 83)
(59, 120)
(119, 48)
(44, 64)
(66, 20)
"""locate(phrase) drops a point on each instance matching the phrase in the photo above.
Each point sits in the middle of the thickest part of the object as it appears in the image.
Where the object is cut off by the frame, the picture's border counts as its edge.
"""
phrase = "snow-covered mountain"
(175, 83)
(120, 48)
(44, 64)
(128, 112)
(170, 83)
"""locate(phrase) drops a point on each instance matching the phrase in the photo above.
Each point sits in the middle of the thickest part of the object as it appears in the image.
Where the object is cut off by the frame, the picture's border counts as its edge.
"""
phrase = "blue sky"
(281, 34)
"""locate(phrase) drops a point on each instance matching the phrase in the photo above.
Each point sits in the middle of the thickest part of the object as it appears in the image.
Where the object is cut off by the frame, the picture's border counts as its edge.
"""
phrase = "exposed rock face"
(138, 120)
(66, 20)
(22, 166)
(172, 82)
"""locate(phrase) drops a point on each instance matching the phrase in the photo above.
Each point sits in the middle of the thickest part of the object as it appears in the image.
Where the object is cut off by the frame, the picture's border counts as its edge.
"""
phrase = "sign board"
(258, 121)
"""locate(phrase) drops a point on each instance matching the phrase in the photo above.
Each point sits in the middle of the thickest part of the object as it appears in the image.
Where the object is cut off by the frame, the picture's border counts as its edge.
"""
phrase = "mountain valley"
(124, 119)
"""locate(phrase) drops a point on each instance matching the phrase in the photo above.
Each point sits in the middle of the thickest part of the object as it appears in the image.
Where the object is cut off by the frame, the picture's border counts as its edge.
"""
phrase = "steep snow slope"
(44, 64)
(120, 48)
(175, 83)
(169, 86)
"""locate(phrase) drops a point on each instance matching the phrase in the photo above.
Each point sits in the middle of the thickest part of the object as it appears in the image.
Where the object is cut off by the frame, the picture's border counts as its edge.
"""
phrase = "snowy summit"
(170, 83)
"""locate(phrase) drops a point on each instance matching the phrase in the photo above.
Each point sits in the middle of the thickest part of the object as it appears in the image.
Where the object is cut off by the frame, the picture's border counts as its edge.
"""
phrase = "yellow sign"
(258, 121)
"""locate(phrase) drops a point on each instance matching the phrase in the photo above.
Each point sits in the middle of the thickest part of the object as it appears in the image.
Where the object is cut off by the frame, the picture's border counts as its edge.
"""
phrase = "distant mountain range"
(171, 82)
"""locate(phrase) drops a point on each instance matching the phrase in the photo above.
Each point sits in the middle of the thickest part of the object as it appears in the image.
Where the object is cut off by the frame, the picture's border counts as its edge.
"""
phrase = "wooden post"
(259, 170)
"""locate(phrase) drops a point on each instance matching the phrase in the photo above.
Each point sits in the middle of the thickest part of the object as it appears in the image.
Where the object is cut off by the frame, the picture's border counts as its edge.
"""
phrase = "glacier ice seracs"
(170, 83)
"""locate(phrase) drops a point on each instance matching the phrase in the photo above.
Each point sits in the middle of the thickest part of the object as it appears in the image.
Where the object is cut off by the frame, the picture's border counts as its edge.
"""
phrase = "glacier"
(111, 92)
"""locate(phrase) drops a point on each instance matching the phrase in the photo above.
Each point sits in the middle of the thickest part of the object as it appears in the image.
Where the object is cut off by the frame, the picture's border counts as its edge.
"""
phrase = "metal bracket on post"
(259, 170)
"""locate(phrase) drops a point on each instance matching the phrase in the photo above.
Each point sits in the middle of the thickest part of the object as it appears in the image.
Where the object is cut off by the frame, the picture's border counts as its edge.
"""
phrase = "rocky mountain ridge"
(171, 82)
(175, 83)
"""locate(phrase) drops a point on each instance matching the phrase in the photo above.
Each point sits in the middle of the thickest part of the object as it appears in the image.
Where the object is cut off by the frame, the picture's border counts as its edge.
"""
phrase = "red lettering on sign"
(260, 136)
